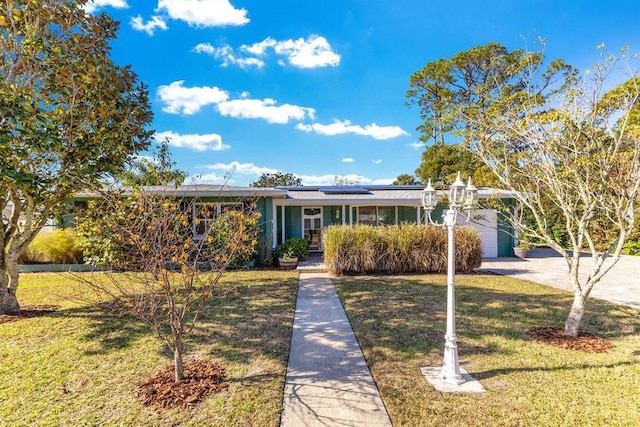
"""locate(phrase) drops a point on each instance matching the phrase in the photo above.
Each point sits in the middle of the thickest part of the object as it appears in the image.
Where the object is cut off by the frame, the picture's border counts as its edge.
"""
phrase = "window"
(377, 215)
(204, 214)
(386, 215)
(367, 215)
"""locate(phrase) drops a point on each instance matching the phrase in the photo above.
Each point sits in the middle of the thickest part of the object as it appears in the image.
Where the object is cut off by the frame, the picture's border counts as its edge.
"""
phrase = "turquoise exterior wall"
(265, 241)
(329, 215)
(506, 241)
(293, 222)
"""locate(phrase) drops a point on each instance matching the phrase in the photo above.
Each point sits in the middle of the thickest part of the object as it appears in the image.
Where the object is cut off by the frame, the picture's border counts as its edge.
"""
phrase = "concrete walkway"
(328, 381)
(621, 285)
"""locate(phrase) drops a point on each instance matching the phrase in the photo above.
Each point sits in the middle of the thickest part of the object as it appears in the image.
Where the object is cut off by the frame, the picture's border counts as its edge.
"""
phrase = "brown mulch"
(583, 342)
(27, 312)
(201, 378)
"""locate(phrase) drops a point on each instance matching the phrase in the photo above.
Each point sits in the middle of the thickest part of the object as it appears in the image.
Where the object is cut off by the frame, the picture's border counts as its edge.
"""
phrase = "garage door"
(485, 221)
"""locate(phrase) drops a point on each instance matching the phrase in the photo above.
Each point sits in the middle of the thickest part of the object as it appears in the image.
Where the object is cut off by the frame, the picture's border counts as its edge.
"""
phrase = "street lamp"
(461, 198)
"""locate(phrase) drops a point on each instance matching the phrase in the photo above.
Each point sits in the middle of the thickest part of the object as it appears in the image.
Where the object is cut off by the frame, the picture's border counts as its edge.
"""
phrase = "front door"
(312, 227)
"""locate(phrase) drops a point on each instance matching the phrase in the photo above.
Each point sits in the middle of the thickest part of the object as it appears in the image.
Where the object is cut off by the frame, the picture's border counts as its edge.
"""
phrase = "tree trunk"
(177, 361)
(576, 314)
(8, 286)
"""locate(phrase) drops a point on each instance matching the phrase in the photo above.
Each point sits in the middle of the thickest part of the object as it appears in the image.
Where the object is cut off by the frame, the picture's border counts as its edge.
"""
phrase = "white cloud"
(264, 109)
(342, 127)
(227, 56)
(383, 181)
(377, 161)
(93, 5)
(416, 145)
(179, 99)
(348, 160)
(330, 179)
(241, 168)
(137, 23)
(236, 172)
(204, 13)
(212, 178)
(259, 48)
(197, 142)
(312, 52)
(205, 48)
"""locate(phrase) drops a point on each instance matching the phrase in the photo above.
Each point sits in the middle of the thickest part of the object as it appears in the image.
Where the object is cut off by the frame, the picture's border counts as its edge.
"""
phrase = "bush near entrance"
(398, 249)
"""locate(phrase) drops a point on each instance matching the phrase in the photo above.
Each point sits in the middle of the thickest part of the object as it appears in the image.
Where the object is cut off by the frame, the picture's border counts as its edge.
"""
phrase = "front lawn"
(400, 324)
(81, 365)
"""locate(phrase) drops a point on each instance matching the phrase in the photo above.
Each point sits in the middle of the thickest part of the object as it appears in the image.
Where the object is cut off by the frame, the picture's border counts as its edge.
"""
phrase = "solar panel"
(344, 190)
(298, 188)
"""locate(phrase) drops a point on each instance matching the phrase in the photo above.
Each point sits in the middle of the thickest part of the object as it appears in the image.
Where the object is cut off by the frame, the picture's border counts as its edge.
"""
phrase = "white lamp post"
(461, 198)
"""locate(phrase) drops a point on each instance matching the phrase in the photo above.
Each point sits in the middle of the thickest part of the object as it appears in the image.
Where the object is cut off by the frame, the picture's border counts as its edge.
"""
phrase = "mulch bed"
(583, 342)
(27, 312)
(201, 378)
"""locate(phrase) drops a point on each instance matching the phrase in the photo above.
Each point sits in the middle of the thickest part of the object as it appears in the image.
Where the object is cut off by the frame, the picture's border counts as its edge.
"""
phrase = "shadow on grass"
(249, 319)
(242, 319)
(108, 329)
(482, 375)
(408, 314)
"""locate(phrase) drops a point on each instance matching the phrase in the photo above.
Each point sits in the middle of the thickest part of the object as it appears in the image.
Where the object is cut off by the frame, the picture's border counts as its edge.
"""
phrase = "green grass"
(400, 324)
(81, 365)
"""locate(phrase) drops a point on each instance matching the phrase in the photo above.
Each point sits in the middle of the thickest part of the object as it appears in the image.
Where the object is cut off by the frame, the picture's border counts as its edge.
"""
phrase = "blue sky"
(317, 88)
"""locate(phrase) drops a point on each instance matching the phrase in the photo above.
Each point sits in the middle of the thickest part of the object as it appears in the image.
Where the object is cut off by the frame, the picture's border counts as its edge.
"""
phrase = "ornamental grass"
(398, 249)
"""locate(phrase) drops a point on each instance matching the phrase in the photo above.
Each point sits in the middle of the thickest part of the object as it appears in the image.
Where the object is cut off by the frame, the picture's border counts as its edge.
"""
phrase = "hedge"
(398, 249)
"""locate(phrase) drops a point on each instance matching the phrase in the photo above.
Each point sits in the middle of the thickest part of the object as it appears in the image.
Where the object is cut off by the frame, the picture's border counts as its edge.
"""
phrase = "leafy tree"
(455, 94)
(405, 179)
(442, 162)
(153, 171)
(69, 116)
(566, 146)
(277, 179)
(150, 233)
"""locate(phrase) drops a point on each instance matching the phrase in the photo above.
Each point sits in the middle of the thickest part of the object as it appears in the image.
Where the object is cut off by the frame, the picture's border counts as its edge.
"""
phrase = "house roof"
(402, 195)
(202, 190)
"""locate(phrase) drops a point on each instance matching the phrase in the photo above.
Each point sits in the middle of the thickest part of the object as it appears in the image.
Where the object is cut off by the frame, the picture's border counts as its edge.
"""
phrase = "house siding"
(293, 222)
(329, 215)
(506, 240)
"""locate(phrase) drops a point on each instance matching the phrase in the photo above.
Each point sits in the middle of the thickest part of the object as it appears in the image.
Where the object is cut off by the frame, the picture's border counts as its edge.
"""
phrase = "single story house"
(304, 211)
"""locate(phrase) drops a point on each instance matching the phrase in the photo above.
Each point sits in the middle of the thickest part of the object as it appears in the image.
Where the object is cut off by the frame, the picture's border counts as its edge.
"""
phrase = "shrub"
(398, 249)
(293, 248)
(234, 237)
(53, 247)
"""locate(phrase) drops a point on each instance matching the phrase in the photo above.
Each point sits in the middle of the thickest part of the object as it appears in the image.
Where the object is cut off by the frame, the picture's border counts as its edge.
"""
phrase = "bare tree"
(567, 145)
(574, 160)
(170, 252)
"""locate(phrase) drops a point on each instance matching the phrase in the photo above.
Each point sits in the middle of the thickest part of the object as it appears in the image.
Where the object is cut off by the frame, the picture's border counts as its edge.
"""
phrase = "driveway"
(621, 285)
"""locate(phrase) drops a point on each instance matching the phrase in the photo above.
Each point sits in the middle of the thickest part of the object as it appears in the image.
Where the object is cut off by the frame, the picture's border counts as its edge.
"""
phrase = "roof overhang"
(199, 191)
